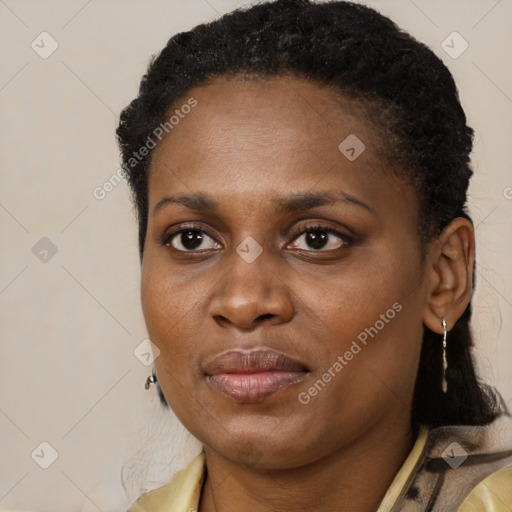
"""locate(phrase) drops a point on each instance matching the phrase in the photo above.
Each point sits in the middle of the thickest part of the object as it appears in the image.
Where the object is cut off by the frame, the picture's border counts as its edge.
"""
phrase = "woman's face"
(281, 278)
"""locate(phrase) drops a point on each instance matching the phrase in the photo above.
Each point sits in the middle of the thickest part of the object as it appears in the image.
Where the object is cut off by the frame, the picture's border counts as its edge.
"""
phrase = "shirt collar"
(405, 471)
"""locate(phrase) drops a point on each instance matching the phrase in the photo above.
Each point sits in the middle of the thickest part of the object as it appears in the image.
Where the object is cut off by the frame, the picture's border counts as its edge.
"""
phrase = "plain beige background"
(70, 321)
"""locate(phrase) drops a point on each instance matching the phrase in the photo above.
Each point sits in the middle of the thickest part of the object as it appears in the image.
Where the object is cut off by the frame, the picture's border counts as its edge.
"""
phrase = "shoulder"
(493, 494)
(182, 492)
(460, 466)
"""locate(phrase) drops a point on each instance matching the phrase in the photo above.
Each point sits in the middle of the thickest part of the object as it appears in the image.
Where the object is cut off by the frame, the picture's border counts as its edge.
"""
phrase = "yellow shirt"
(182, 493)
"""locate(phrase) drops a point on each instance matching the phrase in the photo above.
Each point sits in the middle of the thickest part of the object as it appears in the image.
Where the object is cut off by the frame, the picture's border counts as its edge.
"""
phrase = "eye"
(321, 238)
(190, 240)
(312, 238)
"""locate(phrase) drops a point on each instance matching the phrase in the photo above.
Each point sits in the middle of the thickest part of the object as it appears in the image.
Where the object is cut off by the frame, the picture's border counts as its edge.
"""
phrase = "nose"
(251, 294)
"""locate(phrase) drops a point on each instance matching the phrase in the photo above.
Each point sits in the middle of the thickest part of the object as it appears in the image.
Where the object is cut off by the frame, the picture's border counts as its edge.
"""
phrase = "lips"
(252, 376)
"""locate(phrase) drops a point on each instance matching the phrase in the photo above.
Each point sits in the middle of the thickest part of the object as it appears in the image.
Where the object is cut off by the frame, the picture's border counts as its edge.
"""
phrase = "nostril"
(221, 320)
(243, 323)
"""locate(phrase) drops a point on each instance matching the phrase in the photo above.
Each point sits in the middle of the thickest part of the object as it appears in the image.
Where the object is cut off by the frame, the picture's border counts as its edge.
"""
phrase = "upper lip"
(252, 361)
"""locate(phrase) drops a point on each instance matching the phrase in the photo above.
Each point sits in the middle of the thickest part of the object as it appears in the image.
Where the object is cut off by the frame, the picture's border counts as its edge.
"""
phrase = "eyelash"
(347, 240)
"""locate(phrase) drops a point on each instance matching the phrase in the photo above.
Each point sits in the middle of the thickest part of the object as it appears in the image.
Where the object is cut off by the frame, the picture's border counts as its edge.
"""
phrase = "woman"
(300, 173)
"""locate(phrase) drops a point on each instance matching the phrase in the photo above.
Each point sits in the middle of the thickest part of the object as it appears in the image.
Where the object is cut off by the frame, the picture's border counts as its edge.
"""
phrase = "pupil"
(191, 239)
(316, 239)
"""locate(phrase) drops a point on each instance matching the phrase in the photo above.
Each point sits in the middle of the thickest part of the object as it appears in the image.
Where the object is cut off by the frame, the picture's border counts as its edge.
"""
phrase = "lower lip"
(254, 387)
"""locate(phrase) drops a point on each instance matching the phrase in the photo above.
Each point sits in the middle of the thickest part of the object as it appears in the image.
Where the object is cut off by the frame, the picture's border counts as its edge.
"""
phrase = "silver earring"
(150, 380)
(445, 362)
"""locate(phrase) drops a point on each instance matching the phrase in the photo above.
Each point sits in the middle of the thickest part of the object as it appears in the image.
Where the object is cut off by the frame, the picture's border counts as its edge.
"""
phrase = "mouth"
(252, 376)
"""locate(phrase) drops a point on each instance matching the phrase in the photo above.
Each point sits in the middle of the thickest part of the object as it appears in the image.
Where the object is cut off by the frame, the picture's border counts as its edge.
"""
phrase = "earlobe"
(450, 262)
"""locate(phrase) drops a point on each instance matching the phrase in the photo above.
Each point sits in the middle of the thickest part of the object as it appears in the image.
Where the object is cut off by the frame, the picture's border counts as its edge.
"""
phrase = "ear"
(449, 272)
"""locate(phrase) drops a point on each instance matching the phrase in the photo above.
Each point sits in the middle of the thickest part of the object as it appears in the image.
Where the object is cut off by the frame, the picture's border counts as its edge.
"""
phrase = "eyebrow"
(290, 204)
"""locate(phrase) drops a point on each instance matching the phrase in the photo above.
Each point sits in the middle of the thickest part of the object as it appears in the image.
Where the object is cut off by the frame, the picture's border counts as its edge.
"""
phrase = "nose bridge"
(250, 277)
(251, 288)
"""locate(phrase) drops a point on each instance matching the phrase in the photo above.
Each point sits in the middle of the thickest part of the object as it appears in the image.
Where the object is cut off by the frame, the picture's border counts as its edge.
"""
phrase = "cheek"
(167, 298)
(170, 311)
(167, 316)
(354, 298)
(372, 319)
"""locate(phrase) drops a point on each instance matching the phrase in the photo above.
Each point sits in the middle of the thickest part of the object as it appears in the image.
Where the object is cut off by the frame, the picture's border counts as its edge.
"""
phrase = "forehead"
(247, 137)
(254, 114)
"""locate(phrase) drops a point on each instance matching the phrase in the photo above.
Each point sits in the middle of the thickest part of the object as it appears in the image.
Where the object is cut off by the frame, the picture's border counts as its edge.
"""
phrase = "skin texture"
(246, 144)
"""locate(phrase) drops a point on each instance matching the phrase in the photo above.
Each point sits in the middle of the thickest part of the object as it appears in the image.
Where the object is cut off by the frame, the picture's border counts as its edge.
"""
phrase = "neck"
(357, 476)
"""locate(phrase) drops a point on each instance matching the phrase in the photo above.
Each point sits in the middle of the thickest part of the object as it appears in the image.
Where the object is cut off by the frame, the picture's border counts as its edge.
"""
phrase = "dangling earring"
(151, 380)
(445, 362)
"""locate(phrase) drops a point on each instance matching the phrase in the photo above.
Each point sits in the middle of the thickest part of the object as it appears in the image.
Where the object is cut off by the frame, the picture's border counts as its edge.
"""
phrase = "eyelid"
(168, 235)
(321, 225)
